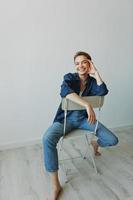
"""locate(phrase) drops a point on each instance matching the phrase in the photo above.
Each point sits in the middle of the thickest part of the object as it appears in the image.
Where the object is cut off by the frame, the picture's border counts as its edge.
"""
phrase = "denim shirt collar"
(88, 83)
(78, 78)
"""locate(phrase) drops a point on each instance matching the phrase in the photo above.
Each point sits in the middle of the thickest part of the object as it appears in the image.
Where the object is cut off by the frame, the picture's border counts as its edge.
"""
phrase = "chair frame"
(67, 105)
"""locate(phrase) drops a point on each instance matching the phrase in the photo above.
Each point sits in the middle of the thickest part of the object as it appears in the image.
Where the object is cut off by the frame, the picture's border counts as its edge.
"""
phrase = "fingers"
(91, 114)
(90, 61)
(92, 118)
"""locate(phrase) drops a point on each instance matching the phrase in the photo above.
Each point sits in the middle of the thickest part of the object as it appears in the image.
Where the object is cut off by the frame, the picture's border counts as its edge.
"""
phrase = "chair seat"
(79, 133)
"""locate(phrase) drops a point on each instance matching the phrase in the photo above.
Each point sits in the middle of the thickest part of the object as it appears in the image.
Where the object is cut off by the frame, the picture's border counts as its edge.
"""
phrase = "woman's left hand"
(92, 69)
(94, 73)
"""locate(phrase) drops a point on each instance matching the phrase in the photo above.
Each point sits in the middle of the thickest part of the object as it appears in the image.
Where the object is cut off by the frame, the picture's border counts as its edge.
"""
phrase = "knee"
(110, 142)
(46, 139)
(114, 141)
(49, 139)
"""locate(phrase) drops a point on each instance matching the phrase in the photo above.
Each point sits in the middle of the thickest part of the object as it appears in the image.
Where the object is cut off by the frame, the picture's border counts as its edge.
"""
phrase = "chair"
(67, 105)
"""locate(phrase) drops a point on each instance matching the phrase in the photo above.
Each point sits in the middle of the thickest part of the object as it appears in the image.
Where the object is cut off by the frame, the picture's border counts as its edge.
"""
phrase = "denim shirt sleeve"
(66, 87)
(99, 90)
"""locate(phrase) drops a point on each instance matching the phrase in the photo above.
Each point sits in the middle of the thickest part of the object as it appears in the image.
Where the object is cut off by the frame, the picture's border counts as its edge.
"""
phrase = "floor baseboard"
(18, 144)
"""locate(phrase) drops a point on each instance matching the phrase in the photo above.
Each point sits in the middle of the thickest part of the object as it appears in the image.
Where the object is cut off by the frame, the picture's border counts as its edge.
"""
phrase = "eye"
(76, 63)
(85, 61)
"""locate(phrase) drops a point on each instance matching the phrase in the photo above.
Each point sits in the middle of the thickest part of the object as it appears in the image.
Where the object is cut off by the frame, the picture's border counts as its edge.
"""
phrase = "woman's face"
(82, 65)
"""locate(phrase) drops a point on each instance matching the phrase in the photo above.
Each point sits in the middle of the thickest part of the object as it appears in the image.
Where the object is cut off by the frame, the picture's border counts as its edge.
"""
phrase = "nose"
(80, 65)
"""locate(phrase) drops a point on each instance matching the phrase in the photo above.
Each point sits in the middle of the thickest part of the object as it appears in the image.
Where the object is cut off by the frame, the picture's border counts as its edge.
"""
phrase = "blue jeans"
(55, 132)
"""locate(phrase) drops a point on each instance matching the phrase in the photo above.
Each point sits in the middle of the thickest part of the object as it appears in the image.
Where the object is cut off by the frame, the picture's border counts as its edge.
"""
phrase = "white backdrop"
(37, 44)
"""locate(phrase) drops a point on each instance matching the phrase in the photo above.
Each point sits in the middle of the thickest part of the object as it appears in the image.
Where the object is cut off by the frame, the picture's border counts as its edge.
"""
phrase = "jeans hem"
(52, 170)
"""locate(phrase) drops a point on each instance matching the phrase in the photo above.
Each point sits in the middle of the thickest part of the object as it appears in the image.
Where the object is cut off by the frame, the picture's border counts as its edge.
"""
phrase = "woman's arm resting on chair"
(79, 100)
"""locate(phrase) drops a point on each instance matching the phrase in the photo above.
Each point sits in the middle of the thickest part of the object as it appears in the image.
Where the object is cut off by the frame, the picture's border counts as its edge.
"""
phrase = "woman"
(86, 82)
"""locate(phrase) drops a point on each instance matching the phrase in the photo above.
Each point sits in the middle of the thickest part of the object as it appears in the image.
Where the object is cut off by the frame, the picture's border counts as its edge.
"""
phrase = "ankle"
(56, 187)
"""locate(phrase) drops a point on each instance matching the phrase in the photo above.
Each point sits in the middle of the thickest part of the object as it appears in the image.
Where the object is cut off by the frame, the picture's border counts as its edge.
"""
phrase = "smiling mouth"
(82, 70)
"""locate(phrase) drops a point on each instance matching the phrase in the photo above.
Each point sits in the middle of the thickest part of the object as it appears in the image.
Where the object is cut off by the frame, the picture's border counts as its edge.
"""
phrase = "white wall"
(37, 43)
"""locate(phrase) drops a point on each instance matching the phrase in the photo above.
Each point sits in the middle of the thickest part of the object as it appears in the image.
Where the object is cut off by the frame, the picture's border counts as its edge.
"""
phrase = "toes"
(97, 153)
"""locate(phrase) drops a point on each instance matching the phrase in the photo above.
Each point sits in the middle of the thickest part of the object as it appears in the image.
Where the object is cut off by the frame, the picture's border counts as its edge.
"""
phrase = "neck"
(83, 77)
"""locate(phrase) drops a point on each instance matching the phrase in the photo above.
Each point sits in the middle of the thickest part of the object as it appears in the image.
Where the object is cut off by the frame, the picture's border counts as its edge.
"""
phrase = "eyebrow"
(81, 61)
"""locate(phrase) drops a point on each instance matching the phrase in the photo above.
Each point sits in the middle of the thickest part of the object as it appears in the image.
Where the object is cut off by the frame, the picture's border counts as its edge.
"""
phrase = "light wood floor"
(22, 176)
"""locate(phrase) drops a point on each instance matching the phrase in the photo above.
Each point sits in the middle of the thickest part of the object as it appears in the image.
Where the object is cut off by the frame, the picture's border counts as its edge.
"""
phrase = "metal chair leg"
(91, 154)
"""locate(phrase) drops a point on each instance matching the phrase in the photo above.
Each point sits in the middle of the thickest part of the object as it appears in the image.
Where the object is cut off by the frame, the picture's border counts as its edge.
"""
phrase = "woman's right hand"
(91, 114)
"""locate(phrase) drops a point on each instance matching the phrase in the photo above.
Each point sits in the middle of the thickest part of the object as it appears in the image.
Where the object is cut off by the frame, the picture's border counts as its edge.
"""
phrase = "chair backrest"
(95, 101)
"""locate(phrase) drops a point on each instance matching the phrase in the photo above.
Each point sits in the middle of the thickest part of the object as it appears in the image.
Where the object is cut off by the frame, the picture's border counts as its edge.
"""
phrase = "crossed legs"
(51, 138)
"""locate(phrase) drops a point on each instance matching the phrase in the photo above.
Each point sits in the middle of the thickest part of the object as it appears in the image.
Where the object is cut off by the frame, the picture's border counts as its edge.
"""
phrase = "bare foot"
(55, 193)
(95, 147)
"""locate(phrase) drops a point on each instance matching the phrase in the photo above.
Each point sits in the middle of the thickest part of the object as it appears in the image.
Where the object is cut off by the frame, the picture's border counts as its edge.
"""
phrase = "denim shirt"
(71, 84)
